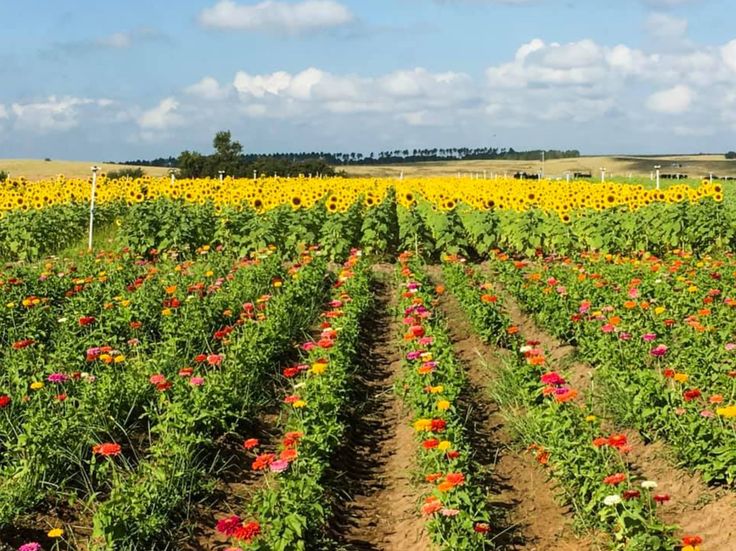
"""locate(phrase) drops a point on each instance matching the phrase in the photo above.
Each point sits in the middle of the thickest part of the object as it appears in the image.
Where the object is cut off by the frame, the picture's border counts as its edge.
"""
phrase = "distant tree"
(731, 155)
(126, 173)
(3, 176)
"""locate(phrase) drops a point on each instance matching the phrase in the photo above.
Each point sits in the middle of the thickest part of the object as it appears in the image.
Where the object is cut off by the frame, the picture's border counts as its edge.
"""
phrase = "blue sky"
(118, 80)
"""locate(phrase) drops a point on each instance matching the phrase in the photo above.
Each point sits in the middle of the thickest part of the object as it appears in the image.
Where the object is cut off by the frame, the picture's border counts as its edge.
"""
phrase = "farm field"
(432, 363)
(619, 166)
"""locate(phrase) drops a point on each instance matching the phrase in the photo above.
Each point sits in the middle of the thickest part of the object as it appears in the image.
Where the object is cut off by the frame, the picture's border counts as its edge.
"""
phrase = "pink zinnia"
(279, 466)
(449, 512)
(157, 379)
(196, 381)
(32, 546)
(649, 337)
(608, 328)
(659, 350)
(730, 346)
(57, 378)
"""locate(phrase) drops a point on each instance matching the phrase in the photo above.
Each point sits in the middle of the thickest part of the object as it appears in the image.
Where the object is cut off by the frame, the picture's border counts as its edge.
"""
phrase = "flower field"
(447, 364)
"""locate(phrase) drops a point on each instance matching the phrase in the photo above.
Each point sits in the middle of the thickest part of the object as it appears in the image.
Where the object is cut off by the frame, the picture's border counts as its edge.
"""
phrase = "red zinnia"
(438, 425)
(250, 443)
(614, 479)
(661, 498)
(431, 443)
(86, 320)
(248, 531)
(4, 400)
(481, 527)
(228, 525)
(631, 494)
(691, 394)
(692, 540)
(455, 478)
(107, 449)
(263, 461)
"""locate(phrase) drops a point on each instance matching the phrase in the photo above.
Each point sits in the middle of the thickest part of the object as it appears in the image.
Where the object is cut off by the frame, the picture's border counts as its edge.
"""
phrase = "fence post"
(92, 206)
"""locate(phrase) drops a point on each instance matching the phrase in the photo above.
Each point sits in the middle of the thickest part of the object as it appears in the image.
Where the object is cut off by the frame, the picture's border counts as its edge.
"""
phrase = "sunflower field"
(346, 364)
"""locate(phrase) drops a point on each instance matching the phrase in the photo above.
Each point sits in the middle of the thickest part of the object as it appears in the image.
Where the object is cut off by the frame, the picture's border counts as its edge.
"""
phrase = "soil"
(379, 510)
(534, 521)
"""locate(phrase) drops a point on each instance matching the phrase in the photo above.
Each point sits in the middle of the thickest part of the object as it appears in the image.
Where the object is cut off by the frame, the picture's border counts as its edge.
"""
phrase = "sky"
(128, 79)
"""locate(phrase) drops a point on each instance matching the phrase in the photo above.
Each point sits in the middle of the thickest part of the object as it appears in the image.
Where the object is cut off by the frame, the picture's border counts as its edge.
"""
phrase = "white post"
(222, 175)
(603, 174)
(711, 177)
(255, 175)
(656, 168)
(173, 178)
(485, 174)
(542, 164)
(92, 206)
(401, 176)
(567, 176)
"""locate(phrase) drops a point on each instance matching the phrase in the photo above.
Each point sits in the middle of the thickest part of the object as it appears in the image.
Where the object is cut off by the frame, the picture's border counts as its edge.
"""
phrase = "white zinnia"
(612, 500)
(649, 484)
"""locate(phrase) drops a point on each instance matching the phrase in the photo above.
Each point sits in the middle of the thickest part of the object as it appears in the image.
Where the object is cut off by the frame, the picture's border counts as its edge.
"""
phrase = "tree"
(731, 155)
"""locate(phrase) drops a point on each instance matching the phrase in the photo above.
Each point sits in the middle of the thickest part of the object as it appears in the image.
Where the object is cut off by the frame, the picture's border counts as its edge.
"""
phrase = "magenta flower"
(649, 337)
(658, 351)
(196, 381)
(624, 336)
(411, 356)
(57, 378)
(31, 546)
(730, 346)
(552, 378)
(608, 328)
(425, 341)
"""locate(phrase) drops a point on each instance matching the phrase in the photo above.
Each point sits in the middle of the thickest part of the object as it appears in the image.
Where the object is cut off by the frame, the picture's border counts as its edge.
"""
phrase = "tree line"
(228, 156)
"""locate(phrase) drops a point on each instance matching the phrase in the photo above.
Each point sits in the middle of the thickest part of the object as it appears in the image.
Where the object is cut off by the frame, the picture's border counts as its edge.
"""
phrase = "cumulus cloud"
(672, 101)
(208, 88)
(3, 112)
(272, 15)
(162, 117)
(53, 114)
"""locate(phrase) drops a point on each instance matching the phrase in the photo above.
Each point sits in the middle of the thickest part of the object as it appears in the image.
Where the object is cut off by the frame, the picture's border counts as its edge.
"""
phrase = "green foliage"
(131, 172)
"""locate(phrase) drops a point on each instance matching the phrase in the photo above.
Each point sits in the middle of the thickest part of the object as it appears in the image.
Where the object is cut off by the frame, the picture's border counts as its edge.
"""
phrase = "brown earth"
(380, 510)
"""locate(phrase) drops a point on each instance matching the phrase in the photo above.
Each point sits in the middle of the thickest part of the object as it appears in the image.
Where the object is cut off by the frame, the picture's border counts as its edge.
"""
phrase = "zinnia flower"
(31, 546)
(228, 525)
(612, 500)
(278, 466)
(108, 449)
(248, 531)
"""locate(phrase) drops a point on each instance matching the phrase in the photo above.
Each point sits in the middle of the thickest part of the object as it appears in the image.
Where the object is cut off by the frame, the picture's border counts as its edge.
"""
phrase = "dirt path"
(694, 506)
(380, 510)
(534, 520)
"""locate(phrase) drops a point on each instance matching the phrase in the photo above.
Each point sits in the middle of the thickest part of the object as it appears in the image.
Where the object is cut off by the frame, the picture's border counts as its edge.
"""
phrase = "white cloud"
(728, 55)
(272, 15)
(117, 40)
(162, 117)
(54, 114)
(675, 100)
(666, 26)
(208, 88)
(3, 112)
